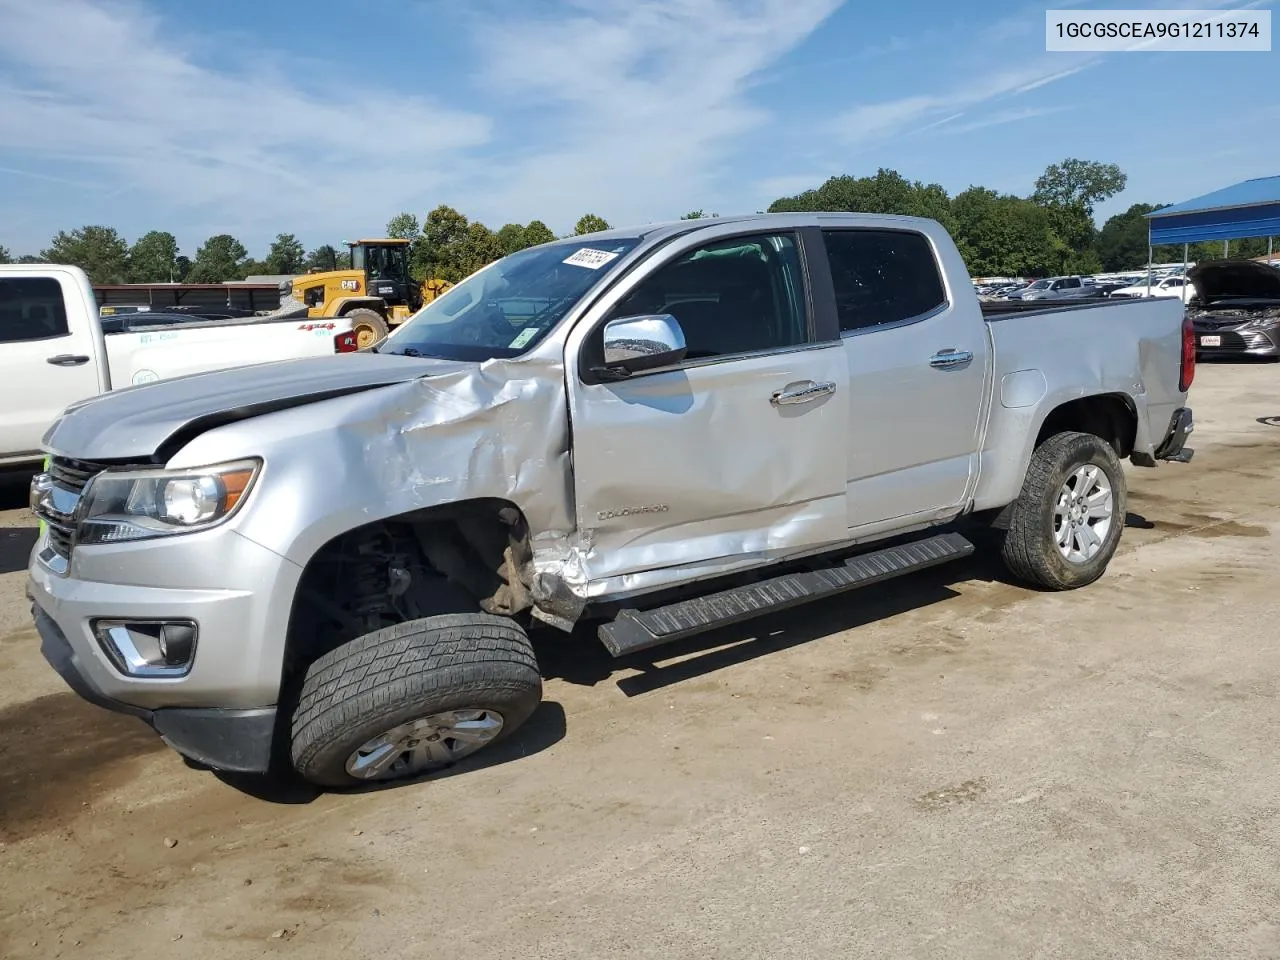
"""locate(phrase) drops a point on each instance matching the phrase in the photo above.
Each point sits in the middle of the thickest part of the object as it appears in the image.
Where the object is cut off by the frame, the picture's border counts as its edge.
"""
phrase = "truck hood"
(1222, 279)
(150, 422)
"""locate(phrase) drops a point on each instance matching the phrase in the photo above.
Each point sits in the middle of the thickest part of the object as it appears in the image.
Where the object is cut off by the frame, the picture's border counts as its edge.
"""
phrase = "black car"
(1236, 310)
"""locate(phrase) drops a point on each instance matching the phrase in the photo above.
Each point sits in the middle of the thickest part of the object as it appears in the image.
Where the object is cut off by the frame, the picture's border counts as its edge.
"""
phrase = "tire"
(1031, 548)
(369, 326)
(472, 663)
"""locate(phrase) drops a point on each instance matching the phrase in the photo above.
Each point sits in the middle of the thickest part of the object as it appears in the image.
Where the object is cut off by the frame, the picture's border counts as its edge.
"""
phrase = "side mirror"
(639, 343)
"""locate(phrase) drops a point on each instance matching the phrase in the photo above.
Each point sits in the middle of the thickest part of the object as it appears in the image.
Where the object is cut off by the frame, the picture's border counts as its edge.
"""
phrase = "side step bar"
(635, 630)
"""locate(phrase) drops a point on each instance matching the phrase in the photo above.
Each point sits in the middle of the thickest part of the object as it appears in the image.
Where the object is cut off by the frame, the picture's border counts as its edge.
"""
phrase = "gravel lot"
(943, 766)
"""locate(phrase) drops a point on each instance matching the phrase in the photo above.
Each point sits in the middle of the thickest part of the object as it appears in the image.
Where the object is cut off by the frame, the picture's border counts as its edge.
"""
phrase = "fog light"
(148, 648)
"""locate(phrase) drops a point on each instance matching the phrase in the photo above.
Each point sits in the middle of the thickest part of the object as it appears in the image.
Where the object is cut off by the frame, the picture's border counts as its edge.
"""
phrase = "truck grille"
(67, 478)
(73, 475)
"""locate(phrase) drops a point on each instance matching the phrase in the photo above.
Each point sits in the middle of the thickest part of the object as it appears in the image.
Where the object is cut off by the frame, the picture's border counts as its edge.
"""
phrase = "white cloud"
(633, 103)
(877, 122)
(644, 99)
(237, 148)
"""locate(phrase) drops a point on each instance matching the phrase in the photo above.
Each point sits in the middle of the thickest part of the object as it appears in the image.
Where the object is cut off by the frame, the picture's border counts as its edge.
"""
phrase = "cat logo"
(350, 284)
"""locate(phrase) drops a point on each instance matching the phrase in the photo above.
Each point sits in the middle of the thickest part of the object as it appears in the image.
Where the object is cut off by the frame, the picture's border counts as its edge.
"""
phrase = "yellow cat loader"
(377, 293)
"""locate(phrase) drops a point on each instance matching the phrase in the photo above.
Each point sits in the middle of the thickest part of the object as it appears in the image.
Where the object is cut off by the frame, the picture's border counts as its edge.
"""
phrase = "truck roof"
(669, 228)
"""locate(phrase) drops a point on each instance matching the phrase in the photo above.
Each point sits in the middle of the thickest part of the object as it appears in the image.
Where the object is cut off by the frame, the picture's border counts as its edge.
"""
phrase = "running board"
(635, 630)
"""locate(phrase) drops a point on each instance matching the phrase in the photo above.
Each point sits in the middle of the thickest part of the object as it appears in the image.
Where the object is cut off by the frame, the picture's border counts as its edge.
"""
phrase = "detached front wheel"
(413, 698)
(1065, 526)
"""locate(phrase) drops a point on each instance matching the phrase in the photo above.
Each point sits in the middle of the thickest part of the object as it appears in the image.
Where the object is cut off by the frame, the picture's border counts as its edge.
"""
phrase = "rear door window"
(882, 277)
(31, 308)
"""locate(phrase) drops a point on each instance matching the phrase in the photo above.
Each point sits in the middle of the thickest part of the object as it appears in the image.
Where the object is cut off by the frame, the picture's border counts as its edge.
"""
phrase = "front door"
(44, 365)
(735, 454)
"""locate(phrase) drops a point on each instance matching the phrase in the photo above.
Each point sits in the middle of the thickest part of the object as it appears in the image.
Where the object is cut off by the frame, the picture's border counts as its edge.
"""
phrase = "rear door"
(735, 454)
(918, 358)
(45, 362)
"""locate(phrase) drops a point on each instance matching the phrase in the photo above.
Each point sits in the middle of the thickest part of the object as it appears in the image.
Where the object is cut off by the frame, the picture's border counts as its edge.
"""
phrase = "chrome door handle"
(950, 358)
(805, 393)
(67, 360)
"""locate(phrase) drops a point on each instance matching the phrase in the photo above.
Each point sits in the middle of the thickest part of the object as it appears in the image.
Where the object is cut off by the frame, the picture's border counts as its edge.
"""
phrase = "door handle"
(950, 358)
(67, 360)
(803, 393)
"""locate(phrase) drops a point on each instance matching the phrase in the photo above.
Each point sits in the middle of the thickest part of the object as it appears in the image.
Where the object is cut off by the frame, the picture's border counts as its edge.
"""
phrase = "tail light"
(345, 342)
(1188, 373)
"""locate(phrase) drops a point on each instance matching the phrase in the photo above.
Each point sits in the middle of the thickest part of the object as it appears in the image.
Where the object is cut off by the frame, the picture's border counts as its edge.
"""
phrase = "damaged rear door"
(733, 455)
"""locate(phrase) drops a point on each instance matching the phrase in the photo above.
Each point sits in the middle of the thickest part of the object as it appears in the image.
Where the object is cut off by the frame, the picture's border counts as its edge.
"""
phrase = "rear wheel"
(413, 698)
(368, 325)
(1065, 525)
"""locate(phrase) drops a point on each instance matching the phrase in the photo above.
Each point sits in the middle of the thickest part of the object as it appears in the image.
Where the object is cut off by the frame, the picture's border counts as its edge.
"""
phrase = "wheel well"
(1109, 416)
(466, 557)
(377, 306)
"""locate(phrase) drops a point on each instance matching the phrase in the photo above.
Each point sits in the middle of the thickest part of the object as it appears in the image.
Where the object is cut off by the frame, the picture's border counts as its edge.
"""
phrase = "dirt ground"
(943, 766)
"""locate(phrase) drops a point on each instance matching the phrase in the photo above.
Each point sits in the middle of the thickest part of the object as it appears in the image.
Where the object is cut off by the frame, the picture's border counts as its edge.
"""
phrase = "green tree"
(4, 254)
(1122, 242)
(219, 259)
(887, 191)
(478, 248)
(31, 258)
(153, 258)
(99, 251)
(1002, 235)
(1078, 183)
(536, 232)
(511, 236)
(253, 268)
(286, 255)
(181, 268)
(590, 223)
(1069, 190)
(439, 255)
(403, 226)
(323, 257)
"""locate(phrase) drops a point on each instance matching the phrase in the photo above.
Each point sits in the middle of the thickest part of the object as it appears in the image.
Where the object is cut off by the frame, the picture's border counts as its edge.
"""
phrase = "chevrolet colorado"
(660, 431)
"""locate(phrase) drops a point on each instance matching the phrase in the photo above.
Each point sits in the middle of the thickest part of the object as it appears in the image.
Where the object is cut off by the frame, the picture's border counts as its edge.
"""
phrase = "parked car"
(55, 350)
(1172, 286)
(1106, 288)
(1054, 288)
(1238, 310)
(660, 430)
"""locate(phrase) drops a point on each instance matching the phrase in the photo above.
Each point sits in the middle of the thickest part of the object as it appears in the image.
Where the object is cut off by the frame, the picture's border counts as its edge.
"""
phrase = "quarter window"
(734, 296)
(882, 276)
(31, 308)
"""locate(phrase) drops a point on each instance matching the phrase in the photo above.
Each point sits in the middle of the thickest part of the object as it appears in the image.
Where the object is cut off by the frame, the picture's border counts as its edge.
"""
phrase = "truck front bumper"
(236, 740)
(219, 712)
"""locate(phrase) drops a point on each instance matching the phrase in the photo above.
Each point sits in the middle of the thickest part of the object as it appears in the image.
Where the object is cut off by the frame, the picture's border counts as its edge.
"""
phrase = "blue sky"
(324, 118)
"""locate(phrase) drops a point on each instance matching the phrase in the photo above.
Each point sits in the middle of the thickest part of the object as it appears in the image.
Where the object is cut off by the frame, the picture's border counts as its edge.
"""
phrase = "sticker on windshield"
(523, 337)
(591, 259)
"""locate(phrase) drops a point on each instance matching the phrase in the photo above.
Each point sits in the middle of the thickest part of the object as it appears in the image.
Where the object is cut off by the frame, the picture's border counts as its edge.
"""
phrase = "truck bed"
(997, 309)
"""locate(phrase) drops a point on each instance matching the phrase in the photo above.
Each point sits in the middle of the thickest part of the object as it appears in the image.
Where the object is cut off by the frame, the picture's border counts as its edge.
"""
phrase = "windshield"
(1040, 285)
(510, 306)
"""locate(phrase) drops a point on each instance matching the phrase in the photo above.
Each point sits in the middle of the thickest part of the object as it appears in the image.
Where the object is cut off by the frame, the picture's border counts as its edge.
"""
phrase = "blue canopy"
(1247, 209)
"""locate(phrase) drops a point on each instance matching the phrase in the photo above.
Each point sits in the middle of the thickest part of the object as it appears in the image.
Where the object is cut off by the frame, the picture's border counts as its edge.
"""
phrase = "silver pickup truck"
(334, 562)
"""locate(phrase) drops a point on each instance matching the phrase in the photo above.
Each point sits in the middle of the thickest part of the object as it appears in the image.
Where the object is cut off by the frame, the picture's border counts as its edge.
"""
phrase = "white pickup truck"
(54, 352)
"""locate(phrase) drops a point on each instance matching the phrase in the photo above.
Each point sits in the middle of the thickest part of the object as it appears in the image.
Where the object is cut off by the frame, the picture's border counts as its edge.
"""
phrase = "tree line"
(1051, 231)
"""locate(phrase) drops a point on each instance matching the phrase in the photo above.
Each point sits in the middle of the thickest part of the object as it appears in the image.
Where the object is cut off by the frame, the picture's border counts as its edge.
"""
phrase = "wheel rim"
(425, 744)
(366, 337)
(1084, 513)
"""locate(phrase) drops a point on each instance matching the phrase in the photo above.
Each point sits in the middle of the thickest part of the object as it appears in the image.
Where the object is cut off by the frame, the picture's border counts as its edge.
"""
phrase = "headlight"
(139, 505)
